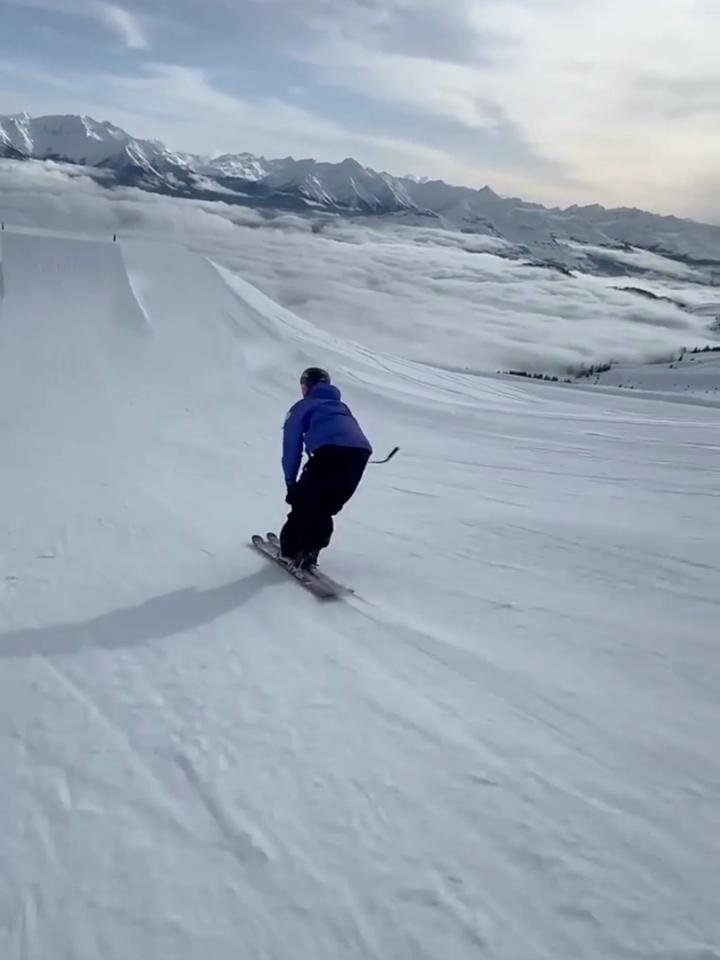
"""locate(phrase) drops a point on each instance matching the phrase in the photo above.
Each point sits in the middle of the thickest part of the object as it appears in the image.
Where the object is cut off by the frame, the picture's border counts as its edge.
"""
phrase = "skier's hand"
(290, 495)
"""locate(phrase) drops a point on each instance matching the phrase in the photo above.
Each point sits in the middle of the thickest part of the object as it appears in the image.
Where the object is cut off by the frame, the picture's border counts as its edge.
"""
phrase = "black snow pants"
(330, 477)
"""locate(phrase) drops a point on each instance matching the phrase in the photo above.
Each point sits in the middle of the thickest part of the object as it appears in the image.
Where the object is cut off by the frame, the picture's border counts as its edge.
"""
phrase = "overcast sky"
(556, 100)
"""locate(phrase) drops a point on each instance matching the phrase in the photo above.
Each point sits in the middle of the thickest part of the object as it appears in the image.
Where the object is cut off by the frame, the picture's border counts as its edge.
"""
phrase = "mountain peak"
(349, 164)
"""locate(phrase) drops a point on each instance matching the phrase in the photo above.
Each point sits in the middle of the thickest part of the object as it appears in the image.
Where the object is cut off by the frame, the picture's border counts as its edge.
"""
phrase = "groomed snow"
(504, 746)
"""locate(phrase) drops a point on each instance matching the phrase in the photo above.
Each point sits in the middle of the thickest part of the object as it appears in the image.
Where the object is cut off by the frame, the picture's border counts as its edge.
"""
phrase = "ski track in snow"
(503, 745)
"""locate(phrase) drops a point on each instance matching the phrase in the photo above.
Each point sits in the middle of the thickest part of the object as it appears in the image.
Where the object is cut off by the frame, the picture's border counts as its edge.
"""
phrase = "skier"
(338, 452)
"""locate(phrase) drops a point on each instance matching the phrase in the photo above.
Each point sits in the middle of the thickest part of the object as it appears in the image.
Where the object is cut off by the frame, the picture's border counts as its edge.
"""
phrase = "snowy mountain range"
(349, 188)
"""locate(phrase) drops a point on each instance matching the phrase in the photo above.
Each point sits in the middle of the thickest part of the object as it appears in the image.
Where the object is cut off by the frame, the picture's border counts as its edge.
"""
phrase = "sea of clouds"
(433, 295)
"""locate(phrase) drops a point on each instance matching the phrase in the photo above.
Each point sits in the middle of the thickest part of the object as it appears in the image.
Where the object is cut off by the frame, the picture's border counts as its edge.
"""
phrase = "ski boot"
(306, 562)
(309, 561)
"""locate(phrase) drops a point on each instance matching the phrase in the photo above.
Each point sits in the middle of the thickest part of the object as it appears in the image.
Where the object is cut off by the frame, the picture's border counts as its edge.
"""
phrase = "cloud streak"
(121, 22)
(124, 24)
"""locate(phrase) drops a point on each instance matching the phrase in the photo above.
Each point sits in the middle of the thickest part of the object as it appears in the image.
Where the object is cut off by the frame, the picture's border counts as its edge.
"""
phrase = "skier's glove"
(290, 495)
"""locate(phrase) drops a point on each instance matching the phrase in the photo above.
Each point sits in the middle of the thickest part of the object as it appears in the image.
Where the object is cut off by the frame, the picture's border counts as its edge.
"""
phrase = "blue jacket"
(320, 419)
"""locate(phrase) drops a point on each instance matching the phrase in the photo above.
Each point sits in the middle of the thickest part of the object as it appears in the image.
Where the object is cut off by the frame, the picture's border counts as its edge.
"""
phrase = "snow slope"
(503, 746)
(696, 375)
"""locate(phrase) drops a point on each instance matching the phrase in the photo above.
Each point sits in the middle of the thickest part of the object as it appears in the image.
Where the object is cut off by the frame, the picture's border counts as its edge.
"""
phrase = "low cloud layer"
(435, 296)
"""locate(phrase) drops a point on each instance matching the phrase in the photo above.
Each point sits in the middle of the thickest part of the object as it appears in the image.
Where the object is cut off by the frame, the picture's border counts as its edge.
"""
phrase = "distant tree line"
(534, 376)
(594, 369)
(706, 349)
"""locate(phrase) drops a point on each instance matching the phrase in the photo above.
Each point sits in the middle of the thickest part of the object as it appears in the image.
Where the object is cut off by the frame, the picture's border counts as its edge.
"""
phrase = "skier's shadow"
(154, 619)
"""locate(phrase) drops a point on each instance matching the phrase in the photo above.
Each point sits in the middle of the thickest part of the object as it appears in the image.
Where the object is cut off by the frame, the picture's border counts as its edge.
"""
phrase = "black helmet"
(314, 375)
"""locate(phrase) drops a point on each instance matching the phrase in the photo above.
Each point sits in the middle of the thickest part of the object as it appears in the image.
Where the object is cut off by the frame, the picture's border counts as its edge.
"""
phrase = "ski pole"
(388, 457)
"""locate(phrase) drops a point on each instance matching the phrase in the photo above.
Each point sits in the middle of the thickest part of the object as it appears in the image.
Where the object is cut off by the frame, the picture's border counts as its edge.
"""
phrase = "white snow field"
(505, 745)
(697, 375)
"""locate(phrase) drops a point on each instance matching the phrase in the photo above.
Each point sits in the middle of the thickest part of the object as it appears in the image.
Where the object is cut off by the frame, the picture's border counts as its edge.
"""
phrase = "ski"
(274, 540)
(320, 585)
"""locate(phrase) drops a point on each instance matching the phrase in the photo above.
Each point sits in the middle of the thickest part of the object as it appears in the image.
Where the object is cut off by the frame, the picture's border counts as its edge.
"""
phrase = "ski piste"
(319, 584)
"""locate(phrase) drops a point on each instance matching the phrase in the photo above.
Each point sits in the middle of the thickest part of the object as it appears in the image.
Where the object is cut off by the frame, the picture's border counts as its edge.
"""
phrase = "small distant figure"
(338, 452)
(114, 238)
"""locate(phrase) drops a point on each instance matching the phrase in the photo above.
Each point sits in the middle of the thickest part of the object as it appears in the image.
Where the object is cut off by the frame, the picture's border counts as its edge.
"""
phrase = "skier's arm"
(293, 432)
